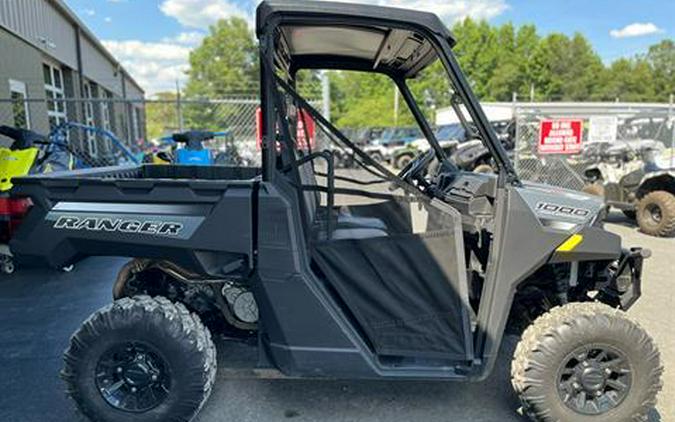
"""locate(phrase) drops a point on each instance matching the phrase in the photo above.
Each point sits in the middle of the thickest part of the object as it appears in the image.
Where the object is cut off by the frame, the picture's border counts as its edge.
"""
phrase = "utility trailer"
(336, 273)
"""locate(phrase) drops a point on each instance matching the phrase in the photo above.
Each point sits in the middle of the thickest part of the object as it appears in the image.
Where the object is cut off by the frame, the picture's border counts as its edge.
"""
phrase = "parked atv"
(27, 152)
(637, 178)
(189, 148)
(472, 155)
(382, 148)
(408, 276)
(448, 136)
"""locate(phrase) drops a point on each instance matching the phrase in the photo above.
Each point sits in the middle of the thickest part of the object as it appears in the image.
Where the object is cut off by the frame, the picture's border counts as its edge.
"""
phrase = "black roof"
(430, 21)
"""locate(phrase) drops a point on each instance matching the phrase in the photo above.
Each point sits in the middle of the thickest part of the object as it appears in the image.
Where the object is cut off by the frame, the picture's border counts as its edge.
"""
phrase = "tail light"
(12, 211)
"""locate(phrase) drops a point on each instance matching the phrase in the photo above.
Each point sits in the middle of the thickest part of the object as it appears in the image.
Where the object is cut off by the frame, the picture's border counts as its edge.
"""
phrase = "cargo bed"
(174, 212)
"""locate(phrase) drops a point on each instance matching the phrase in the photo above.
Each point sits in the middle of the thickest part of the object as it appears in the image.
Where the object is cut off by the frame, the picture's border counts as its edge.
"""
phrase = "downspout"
(80, 70)
(127, 107)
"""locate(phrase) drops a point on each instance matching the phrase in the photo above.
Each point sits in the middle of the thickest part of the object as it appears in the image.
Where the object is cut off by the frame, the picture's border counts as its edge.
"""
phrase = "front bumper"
(624, 286)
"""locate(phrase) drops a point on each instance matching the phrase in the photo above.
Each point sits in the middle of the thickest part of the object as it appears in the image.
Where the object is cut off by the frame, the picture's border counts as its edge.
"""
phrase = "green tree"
(661, 60)
(161, 115)
(564, 69)
(226, 62)
(477, 51)
(497, 60)
(506, 77)
(362, 99)
(628, 80)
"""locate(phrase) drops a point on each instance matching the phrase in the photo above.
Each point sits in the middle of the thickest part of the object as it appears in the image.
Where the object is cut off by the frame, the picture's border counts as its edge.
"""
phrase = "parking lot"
(40, 309)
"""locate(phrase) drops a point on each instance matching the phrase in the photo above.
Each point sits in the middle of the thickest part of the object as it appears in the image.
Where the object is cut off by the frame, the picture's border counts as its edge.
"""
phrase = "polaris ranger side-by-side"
(408, 276)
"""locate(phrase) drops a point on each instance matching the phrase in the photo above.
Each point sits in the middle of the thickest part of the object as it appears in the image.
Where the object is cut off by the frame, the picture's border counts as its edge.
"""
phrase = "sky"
(153, 38)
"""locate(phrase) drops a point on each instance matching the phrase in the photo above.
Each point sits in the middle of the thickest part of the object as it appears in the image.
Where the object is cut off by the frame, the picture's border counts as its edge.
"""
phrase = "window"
(136, 121)
(106, 122)
(17, 93)
(56, 106)
(105, 111)
(92, 148)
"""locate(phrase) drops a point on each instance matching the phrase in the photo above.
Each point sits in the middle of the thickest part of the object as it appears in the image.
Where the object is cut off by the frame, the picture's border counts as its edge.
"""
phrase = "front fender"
(657, 180)
(592, 173)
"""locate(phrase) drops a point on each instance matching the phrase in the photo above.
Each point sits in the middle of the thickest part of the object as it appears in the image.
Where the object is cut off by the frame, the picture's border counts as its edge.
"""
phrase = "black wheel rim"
(594, 379)
(133, 377)
(654, 212)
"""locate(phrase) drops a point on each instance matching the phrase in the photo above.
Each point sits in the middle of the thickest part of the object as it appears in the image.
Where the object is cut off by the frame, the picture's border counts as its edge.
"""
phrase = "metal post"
(325, 94)
(671, 120)
(179, 108)
(395, 105)
(516, 116)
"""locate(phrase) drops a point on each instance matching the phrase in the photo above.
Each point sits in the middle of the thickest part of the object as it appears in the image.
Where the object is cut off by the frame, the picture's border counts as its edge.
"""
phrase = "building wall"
(98, 68)
(36, 31)
(40, 24)
(25, 66)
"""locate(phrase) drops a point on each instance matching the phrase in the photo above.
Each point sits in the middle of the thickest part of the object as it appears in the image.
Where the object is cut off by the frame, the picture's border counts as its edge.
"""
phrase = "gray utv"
(359, 273)
(637, 178)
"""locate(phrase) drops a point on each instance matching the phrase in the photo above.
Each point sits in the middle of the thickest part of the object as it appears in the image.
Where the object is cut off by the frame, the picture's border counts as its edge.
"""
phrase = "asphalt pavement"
(39, 310)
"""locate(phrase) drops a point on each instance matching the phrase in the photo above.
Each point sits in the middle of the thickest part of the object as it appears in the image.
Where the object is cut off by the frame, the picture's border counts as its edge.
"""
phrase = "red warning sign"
(560, 136)
(305, 126)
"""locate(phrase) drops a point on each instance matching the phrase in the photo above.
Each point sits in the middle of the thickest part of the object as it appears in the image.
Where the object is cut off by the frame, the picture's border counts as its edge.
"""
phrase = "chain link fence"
(629, 128)
(111, 131)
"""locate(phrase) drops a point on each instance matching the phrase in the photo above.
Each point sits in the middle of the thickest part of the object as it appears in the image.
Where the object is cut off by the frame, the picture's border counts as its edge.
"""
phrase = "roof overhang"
(331, 35)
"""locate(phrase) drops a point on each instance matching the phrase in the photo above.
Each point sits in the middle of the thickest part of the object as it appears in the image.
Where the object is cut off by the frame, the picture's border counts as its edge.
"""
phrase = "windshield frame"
(442, 49)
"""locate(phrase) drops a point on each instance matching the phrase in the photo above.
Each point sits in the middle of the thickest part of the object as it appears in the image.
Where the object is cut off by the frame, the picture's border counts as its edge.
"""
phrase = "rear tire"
(140, 359)
(656, 214)
(586, 362)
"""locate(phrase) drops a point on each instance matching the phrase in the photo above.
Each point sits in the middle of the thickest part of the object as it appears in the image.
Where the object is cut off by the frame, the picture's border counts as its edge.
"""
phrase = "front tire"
(140, 359)
(376, 156)
(656, 214)
(586, 362)
(402, 161)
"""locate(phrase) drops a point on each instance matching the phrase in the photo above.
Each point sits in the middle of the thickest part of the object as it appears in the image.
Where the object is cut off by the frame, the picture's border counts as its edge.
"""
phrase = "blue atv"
(193, 152)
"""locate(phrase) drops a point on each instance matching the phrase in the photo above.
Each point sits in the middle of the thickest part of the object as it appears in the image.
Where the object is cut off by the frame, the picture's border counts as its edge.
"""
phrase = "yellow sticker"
(571, 243)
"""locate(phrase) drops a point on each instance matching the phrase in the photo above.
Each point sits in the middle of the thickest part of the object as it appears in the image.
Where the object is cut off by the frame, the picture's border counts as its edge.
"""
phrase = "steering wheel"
(414, 169)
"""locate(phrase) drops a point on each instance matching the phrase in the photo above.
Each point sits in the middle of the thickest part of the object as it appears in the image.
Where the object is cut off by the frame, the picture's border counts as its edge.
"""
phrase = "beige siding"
(133, 92)
(40, 24)
(97, 67)
(25, 66)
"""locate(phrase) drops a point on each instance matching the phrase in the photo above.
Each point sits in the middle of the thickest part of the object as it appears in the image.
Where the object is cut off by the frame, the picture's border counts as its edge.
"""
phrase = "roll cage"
(495, 231)
(397, 43)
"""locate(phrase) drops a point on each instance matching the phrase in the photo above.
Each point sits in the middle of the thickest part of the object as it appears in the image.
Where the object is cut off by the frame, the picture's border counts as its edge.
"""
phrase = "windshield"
(450, 132)
(387, 135)
(423, 103)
